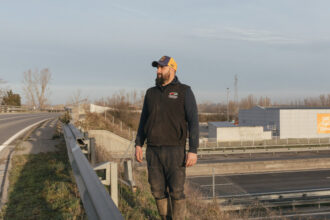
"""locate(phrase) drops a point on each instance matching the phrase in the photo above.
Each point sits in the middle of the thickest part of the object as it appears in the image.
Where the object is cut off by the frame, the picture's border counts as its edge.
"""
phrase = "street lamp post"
(227, 104)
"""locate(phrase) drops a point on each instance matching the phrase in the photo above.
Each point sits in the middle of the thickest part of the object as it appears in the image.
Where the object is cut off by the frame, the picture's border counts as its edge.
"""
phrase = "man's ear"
(173, 70)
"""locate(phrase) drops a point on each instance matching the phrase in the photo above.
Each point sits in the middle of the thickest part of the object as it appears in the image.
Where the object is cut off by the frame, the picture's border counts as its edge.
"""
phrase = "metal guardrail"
(8, 108)
(268, 149)
(212, 143)
(11, 108)
(274, 199)
(96, 200)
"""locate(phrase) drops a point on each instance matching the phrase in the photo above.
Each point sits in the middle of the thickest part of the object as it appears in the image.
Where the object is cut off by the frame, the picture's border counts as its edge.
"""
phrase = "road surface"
(10, 124)
(266, 183)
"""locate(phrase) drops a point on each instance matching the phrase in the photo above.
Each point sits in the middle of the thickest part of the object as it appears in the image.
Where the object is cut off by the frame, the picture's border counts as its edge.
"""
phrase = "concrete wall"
(112, 143)
(242, 133)
(301, 123)
(97, 108)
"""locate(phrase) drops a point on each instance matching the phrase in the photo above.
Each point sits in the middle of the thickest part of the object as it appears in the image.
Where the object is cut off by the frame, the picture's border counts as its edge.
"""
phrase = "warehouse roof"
(222, 124)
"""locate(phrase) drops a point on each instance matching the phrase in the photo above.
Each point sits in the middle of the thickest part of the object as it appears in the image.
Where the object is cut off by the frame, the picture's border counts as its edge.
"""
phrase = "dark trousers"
(166, 171)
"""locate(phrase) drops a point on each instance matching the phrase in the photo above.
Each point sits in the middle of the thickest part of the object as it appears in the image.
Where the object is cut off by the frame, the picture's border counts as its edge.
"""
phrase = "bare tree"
(35, 87)
(76, 97)
(264, 101)
(248, 102)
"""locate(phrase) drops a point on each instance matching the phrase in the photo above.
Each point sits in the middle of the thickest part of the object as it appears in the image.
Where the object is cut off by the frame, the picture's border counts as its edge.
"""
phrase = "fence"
(266, 146)
(212, 143)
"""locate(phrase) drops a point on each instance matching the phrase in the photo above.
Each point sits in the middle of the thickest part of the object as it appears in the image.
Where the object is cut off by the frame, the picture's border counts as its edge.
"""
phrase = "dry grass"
(138, 205)
(94, 121)
(198, 210)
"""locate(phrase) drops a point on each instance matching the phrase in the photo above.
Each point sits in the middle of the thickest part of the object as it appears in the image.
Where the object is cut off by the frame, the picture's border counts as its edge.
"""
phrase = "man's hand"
(138, 153)
(191, 159)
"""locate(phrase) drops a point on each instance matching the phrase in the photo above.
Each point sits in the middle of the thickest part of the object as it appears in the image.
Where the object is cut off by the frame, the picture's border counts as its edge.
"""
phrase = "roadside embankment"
(259, 166)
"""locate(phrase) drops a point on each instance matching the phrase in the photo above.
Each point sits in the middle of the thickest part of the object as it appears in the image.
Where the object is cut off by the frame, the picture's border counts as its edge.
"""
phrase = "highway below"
(266, 183)
(300, 193)
(11, 124)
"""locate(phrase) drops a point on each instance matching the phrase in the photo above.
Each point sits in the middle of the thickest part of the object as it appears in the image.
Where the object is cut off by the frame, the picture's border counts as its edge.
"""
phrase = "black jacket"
(168, 112)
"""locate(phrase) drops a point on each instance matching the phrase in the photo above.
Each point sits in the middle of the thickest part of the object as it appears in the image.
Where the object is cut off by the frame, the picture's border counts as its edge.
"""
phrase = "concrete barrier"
(118, 147)
(259, 166)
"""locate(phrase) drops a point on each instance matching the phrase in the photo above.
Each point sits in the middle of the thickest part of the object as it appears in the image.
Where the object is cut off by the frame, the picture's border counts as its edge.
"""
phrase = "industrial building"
(289, 122)
(226, 131)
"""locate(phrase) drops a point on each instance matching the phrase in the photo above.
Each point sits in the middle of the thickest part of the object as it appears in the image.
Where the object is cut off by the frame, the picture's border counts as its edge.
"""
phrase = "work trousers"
(166, 171)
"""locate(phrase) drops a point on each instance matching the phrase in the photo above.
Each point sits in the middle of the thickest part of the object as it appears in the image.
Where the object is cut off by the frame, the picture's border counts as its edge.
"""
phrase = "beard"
(162, 78)
(159, 81)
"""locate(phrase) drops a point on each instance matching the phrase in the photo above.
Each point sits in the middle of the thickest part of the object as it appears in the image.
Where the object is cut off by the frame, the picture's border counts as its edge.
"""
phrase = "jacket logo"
(173, 95)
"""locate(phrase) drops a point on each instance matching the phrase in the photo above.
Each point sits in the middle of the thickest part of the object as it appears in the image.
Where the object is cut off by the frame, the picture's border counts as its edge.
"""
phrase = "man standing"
(169, 110)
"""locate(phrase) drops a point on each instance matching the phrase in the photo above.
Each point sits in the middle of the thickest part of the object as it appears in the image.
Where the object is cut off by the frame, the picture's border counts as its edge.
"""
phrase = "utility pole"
(227, 104)
(236, 95)
(105, 110)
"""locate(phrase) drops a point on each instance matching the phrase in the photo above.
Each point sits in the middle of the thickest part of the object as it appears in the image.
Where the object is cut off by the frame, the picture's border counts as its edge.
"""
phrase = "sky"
(279, 49)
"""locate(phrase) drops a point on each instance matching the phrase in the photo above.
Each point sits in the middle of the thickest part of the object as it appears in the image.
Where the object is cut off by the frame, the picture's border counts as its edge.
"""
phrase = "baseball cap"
(165, 61)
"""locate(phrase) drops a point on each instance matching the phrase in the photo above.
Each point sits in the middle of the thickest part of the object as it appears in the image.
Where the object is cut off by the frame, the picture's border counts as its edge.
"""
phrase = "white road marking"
(12, 138)
(292, 215)
(220, 184)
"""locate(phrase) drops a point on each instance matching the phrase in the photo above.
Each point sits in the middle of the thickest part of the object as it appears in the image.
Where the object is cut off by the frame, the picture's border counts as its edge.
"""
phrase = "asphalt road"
(263, 183)
(10, 124)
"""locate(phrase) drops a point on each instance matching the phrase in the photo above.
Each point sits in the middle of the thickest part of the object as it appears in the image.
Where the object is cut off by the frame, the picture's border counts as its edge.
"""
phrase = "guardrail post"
(111, 178)
(293, 206)
(106, 166)
(92, 151)
(213, 184)
(114, 182)
(129, 174)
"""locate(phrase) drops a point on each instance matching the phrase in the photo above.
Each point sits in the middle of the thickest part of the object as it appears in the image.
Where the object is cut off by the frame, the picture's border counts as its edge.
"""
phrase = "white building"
(288, 122)
(226, 131)
(98, 109)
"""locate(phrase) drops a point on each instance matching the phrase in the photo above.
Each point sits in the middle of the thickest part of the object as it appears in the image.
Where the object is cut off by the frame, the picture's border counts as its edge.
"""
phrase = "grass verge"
(42, 186)
(138, 205)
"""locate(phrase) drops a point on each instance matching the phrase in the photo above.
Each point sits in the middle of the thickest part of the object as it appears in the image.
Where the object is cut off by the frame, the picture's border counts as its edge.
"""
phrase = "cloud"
(252, 35)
